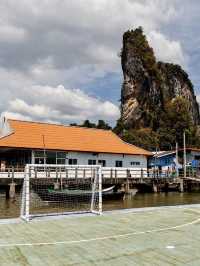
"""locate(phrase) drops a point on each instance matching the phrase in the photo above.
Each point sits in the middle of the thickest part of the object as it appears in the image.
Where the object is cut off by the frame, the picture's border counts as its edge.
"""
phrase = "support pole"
(127, 186)
(56, 185)
(184, 158)
(181, 185)
(184, 164)
(94, 189)
(100, 190)
(177, 173)
(12, 190)
(26, 194)
(155, 188)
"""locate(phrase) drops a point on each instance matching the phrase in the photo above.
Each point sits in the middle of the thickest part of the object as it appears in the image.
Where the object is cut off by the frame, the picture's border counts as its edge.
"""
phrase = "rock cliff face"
(149, 85)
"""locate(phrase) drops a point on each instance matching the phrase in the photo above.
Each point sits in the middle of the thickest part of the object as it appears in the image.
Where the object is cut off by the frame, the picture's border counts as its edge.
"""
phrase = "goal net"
(61, 189)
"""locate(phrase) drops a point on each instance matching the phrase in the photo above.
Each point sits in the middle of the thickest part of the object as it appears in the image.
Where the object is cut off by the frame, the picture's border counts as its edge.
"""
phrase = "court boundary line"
(3, 245)
(105, 213)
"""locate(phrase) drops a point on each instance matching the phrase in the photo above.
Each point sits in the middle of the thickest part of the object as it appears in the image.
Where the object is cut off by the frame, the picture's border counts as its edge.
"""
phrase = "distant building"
(42, 143)
(166, 160)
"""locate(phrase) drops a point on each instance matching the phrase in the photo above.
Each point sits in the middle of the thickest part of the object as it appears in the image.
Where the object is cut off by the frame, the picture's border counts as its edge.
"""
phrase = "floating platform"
(149, 236)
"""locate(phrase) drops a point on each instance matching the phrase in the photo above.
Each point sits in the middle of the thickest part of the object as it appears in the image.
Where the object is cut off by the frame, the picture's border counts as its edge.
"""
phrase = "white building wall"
(109, 171)
(83, 157)
(110, 159)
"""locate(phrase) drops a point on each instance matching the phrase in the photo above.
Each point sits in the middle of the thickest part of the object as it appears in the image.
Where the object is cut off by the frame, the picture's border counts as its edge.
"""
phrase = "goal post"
(61, 189)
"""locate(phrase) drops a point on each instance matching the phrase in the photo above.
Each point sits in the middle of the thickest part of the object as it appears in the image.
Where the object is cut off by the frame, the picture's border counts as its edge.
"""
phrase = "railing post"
(66, 170)
(56, 173)
(35, 170)
(13, 173)
(76, 173)
(83, 173)
(142, 173)
(61, 181)
(128, 173)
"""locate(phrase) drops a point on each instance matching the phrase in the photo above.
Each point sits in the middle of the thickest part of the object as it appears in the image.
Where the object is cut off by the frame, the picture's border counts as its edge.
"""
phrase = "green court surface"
(159, 236)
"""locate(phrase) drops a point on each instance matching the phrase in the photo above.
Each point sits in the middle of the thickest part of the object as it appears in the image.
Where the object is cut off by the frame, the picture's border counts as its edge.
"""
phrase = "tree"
(87, 123)
(103, 125)
(119, 128)
(175, 120)
(172, 123)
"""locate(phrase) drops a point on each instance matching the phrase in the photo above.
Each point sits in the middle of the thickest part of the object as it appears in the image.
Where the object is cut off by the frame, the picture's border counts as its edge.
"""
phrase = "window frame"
(43, 155)
(94, 162)
(102, 162)
(118, 163)
(72, 161)
(135, 163)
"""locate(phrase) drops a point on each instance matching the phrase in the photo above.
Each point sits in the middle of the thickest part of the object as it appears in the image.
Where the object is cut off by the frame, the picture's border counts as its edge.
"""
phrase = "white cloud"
(74, 43)
(10, 33)
(16, 116)
(166, 50)
(60, 104)
(75, 33)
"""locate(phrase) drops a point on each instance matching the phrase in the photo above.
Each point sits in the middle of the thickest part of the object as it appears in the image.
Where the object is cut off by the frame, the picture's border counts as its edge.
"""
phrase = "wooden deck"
(156, 236)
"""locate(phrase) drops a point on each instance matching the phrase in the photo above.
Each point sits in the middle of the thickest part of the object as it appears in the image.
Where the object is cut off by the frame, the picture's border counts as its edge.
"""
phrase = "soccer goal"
(61, 189)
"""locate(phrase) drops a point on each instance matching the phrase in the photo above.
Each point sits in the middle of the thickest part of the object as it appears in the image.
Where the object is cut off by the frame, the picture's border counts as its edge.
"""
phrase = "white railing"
(74, 172)
(85, 171)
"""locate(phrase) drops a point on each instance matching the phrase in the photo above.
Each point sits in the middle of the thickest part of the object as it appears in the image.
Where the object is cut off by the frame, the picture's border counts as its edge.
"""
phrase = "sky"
(59, 59)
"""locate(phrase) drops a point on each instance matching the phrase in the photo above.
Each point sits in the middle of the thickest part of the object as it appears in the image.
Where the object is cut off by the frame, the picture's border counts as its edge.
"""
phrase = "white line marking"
(170, 247)
(100, 238)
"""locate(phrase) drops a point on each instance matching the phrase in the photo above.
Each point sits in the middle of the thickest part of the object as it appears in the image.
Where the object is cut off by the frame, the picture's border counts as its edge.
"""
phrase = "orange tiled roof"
(35, 135)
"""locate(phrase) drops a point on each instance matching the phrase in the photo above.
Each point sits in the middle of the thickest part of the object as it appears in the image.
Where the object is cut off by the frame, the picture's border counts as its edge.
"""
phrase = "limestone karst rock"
(150, 85)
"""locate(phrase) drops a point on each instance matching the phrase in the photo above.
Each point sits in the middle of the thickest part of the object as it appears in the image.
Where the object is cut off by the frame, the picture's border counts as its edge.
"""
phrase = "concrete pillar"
(155, 188)
(12, 190)
(127, 186)
(56, 185)
(181, 185)
(122, 187)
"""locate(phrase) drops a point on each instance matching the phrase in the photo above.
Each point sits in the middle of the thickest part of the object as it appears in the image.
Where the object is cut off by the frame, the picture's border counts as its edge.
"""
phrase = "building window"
(39, 161)
(60, 161)
(61, 158)
(91, 162)
(39, 157)
(135, 163)
(102, 163)
(51, 157)
(118, 164)
(39, 153)
(72, 161)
